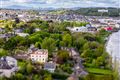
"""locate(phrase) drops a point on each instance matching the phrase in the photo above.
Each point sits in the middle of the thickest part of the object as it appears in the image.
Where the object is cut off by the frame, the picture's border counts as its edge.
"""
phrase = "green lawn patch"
(99, 71)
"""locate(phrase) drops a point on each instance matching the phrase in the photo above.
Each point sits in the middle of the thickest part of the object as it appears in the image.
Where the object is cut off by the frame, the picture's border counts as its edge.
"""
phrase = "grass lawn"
(99, 71)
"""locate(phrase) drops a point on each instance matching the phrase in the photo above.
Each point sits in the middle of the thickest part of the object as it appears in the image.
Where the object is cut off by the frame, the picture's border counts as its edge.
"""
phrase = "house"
(88, 25)
(21, 56)
(32, 49)
(37, 29)
(50, 66)
(2, 30)
(39, 55)
(72, 52)
(92, 29)
(117, 25)
(6, 35)
(73, 77)
(88, 28)
(78, 29)
(22, 34)
(18, 30)
(8, 66)
(108, 28)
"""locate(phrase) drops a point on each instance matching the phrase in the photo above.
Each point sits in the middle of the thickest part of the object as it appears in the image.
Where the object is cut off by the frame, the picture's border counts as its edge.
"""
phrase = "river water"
(113, 48)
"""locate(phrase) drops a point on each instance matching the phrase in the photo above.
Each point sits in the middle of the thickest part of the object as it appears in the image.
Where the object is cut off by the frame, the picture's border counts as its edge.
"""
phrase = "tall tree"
(29, 68)
(49, 43)
(3, 52)
(48, 77)
(67, 39)
(62, 56)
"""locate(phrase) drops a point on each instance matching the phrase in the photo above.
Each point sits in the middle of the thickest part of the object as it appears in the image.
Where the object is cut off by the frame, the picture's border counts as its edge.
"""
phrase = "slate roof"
(5, 63)
(49, 66)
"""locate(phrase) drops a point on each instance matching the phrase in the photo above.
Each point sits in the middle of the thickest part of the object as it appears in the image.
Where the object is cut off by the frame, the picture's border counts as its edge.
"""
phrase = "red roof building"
(109, 28)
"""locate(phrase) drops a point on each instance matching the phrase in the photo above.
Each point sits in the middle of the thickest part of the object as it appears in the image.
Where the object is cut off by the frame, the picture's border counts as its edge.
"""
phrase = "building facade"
(40, 55)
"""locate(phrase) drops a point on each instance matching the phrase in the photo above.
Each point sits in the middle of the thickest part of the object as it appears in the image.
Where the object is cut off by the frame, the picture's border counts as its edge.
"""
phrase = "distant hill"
(113, 12)
(94, 11)
(18, 7)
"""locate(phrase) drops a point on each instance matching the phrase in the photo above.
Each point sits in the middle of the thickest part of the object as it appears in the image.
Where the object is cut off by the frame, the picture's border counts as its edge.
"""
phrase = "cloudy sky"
(59, 3)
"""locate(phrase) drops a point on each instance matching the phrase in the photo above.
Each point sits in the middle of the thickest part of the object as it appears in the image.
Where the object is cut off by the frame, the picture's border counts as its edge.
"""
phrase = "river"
(113, 48)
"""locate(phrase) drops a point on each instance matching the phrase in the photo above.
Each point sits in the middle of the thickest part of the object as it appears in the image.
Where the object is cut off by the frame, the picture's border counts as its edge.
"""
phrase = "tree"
(10, 44)
(36, 77)
(90, 45)
(38, 45)
(17, 20)
(48, 77)
(89, 37)
(79, 42)
(87, 53)
(62, 44)
(3, 52)
(99, 51)
(67, 68)
(29, 30)
(51, 28)
(49, 43)
(67, 39)
(90, 77)
(35, 38)
(100, 61)
(63, 56)
(29, 68)
(20, 25)
(1, 42)
(19, 76)
(86, 46)
(34, 25)
(93, 45)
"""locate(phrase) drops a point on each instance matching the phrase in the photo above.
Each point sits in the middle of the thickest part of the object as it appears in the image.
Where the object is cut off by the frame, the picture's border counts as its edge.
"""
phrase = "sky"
(58, 3)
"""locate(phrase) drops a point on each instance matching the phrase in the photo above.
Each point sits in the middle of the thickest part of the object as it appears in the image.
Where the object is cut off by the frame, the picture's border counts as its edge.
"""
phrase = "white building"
(23, 34)
(117, 25)
(78, 29)
(40, 55)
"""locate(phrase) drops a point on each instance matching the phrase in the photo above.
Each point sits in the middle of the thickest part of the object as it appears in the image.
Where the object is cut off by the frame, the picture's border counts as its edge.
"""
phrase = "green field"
(99, 71)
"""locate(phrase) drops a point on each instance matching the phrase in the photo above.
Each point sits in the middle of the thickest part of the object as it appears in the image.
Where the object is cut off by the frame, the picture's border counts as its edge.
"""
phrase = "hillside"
(112, 12)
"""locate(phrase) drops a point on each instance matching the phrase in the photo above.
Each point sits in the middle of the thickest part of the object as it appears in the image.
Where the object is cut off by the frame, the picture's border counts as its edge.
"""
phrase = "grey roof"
(4, 65)
(49, 66)
(7, 62)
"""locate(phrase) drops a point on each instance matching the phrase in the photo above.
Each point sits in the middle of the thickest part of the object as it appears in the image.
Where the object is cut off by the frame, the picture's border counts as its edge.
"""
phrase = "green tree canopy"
(3, 52)
(63, 56)
(67, 39)
(29, 68)
(49, 43)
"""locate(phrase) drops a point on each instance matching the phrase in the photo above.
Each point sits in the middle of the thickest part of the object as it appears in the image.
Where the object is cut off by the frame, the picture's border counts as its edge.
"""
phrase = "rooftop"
(40, 52)
(7, 62)
(49, 65)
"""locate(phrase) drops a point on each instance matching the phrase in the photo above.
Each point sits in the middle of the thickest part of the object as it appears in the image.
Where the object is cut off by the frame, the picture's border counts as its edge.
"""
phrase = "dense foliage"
(54, 37)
